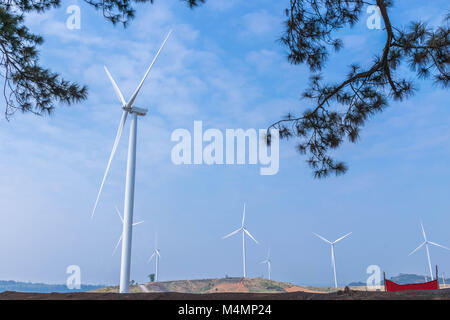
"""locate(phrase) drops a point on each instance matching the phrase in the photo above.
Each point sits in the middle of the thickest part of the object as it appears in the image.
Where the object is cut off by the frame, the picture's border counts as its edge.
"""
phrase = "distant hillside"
(254, 285)
(402, 278)
(41, 287)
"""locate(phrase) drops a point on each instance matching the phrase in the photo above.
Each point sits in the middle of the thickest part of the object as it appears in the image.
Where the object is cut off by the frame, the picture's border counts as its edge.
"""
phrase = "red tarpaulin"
(392, 286)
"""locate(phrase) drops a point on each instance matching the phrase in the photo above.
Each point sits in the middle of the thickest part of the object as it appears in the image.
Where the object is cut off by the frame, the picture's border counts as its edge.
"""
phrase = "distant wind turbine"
(426, 243)
(121, 236)
(268, 262)
(244, 231)
(333, 260)
(134, 112)
(156, 255)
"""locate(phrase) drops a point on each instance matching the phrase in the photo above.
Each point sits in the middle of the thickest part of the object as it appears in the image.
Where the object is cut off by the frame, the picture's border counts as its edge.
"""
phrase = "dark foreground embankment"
(443, 294)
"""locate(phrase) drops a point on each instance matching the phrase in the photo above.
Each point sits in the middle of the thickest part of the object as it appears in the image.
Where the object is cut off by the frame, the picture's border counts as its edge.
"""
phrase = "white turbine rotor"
(319, 236)
(232, 233)
(133, 97)
(243, 217)
(114, 148)
(151, 257)
(116, 88)
(438, 245)
(248, 233)
(417, 248)
(121, 236)
(127, 107)
(336, 241)
(423, 231)
(117, 245)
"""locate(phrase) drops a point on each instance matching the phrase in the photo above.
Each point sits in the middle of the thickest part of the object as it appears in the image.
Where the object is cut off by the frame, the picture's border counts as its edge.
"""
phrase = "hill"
(250, 285)
(402, 278)
(42, 287)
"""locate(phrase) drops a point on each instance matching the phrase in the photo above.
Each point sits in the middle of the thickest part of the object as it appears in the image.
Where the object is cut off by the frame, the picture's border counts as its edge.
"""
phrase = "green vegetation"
(115, 289)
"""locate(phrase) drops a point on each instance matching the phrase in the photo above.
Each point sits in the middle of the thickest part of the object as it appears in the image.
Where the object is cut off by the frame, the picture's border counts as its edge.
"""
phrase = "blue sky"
(224, 66)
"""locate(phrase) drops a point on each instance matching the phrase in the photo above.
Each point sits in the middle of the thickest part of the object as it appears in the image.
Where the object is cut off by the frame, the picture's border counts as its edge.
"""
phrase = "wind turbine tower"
(133, 112)
(426, 243)
(244, 231)
(269, 264)
(156, 254)
(333, 260)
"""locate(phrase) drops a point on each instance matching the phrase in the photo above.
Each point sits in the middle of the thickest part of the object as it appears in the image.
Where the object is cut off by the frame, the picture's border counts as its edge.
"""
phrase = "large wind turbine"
(333, 260)
(157, 255)
(426, 243)
(244, 231)
(134, 112)
(121, 236)
(268, 262)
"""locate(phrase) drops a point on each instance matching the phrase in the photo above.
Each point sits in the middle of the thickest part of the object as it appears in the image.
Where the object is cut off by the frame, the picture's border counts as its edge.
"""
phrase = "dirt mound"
(251, 285)
(303, 289)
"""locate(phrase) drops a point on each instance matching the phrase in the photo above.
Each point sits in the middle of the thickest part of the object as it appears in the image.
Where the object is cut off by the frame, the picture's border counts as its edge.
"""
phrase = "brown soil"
(228, 287)
(302, 289)
(443, 294)
(231, 285)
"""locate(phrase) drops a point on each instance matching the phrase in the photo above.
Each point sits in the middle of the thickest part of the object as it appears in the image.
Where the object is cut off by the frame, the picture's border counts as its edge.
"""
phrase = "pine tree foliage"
(122, 11)
(27, 86)
(338, 111)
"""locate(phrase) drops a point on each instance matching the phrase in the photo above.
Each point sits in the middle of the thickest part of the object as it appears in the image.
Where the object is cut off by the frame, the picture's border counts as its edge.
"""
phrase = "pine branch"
(320, 130)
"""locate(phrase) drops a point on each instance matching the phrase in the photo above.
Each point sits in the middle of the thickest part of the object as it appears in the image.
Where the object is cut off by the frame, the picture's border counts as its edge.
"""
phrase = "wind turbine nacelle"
(138, 111)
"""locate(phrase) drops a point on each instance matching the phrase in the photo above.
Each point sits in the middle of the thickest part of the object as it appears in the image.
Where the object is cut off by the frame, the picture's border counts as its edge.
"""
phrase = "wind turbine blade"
(116, 143)
(157, 252)
(417, 248)
(118, 213)
(232, 234)
(117, 245)
(136, 223)
(133, 97)
(268, 254)
(332, 257)
(248, 233)
(151, 257)
(243, 217)
(342, 237)
(116, 88)
(319, 236)
(265, 261)
(438, 245)
(423, 231)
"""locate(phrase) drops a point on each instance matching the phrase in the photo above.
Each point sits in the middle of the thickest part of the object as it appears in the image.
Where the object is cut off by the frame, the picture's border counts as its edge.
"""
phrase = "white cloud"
(260, 23)
(220, 5)
(265, 60)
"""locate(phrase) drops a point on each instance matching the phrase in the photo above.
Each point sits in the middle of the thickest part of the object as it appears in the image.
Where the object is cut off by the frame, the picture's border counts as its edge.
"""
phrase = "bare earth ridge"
(231, 285)
(228, 289)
